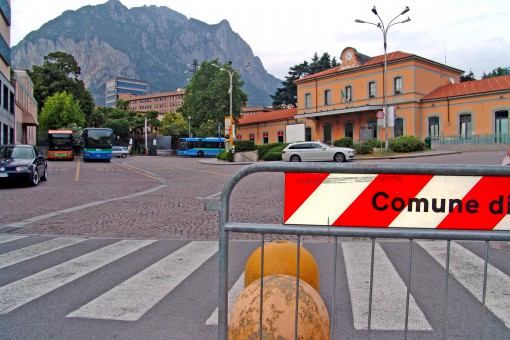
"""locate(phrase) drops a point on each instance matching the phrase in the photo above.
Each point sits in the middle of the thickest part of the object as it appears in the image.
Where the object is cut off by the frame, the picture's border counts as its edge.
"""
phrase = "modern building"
(7, 118)
(424, 99)
(165, 102)
(25, 109)
(117, 86)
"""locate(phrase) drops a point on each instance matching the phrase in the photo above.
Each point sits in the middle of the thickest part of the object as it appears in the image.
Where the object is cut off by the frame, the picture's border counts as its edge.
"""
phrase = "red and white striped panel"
(392, 200)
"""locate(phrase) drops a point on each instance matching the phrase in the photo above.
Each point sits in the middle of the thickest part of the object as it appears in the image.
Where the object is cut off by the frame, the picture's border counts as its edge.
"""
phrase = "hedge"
(244, 145)
(345, 142)
(406, 144)
(264, 148)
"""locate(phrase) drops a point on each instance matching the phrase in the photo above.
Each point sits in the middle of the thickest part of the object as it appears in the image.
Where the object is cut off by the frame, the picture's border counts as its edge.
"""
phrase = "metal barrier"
(226, 226)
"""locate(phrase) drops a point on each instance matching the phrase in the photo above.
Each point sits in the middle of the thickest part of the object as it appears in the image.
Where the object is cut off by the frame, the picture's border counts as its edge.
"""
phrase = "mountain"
(155, 44)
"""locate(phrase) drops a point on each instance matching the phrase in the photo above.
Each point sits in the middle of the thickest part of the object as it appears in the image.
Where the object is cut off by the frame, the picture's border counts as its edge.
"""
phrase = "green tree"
(120, 127)
(60, 72)
(209, 128)
(207, 94)
(286, 96)
(467, 77)
(500, 71)
(60, 110)
(122, 104)
(174, 124)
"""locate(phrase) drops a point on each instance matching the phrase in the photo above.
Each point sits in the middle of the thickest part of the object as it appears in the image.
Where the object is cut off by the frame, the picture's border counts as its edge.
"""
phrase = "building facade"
(25, 109)
(7, 118)
(165, 102)
(117, 86)
(424, 99)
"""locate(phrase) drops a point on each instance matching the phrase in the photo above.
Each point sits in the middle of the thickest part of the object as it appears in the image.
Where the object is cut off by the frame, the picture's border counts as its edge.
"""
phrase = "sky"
(470, 35)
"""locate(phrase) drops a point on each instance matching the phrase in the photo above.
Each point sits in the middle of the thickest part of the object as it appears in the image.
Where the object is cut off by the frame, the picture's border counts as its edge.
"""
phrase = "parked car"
(316, 152)
(120, 151)
(22, 163)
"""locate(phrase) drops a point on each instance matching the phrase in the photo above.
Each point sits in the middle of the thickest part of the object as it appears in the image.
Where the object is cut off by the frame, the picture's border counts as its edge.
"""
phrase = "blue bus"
(199, 147)
(97, 144)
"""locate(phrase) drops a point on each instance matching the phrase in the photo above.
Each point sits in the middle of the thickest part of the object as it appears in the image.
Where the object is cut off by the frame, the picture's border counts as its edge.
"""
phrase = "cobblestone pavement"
(156, 197)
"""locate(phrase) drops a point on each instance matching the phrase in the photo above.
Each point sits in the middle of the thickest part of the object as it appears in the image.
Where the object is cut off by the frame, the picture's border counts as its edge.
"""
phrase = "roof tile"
(268, 116)
(500, 83)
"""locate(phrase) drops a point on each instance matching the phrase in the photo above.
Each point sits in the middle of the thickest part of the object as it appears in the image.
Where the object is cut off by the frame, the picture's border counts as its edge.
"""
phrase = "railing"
(411, 234)
(475, 139)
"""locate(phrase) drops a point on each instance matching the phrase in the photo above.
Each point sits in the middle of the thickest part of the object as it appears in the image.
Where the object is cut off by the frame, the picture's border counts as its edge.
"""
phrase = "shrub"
(406, 144)
(264, 148)
(345, 142)
(273, 155)
(244, 145)
(222, 155)
(374, 143)
(363, 148)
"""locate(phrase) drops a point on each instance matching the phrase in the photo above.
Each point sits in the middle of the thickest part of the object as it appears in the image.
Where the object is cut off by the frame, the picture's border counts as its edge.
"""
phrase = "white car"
(316, 152)
(120, 151)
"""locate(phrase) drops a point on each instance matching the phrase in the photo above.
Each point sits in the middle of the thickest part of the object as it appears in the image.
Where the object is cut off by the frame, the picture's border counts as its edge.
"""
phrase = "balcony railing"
(475, 139)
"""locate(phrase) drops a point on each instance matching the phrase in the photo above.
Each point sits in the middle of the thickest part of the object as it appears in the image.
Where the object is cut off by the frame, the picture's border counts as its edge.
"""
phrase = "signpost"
(398, 200)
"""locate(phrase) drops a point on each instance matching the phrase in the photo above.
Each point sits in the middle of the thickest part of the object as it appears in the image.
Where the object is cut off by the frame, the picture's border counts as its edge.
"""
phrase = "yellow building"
(25, 109)
(165, 102)
(424, 99)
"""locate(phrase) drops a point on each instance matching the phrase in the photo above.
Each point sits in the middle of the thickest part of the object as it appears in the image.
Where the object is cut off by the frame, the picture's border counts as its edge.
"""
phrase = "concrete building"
(165, 102)
(424, 98)
(25, 109)
(117, 86)
(7, 118)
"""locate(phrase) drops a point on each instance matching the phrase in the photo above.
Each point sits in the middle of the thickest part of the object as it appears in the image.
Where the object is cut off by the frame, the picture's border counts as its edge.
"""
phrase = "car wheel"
(295, 158)
(35, 178)
(200, 154)
(339, 157)
(123, 155)
(44, 177)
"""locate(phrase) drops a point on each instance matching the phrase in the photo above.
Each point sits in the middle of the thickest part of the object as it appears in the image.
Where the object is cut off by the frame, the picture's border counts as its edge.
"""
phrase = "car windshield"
(16, 152)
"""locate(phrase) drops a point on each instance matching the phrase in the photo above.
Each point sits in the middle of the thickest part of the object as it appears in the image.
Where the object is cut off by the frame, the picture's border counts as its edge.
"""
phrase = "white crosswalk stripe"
(20, 255)
(18, 293)
(137, 295)
(9, 238)
(128, 302)
(468, 269)
(389, 291)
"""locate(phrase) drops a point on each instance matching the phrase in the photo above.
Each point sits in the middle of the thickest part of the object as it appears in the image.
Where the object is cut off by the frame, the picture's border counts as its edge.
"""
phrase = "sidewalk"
(215, 161)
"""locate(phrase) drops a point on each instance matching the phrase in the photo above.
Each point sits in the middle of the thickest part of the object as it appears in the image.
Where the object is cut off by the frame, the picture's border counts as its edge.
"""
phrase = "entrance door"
(501, 128)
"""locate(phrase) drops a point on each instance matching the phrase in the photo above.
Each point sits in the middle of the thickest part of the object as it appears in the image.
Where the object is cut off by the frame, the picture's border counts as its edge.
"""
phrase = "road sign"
(380, 114)
(398, 200)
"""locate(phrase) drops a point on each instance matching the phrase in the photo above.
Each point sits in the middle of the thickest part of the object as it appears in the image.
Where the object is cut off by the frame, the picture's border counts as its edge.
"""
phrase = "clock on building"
(348, 56)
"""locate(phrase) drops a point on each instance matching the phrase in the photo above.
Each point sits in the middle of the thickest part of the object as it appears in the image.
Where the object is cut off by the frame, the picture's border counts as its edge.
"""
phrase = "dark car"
(22, 163)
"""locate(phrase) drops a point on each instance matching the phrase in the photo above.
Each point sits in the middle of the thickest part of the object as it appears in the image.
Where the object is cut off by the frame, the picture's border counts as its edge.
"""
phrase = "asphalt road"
(157, 197)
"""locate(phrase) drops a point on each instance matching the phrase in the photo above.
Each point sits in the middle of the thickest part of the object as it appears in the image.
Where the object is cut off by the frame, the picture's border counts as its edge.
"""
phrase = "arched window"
(465, 126)
(398, 129)
(434, 127)
(349, 130)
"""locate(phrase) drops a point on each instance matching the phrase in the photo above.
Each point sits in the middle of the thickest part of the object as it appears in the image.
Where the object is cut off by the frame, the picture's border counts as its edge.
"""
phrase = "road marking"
(468, 268)
(389, 295)
(77, 176)
(27, 253)
(9, 238)
(28, 221)
(18, 293)
(135, 296)
(233, 294)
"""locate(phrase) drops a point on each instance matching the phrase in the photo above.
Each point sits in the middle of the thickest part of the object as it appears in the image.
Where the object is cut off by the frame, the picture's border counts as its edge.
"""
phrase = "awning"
(28, 119)
(340, 111)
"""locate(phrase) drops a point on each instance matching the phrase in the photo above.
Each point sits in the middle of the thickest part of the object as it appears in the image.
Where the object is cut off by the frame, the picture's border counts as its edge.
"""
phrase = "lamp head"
(359, 21)
(374, 11)
(407, 20)
(405, 10)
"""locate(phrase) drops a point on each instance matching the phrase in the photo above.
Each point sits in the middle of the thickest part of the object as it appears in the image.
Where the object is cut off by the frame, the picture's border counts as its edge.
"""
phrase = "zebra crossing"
(131, 299)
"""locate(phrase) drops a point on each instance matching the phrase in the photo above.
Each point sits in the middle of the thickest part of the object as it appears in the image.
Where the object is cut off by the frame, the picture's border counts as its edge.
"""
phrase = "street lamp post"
(384, 30)
(230, 74)
(189, 126)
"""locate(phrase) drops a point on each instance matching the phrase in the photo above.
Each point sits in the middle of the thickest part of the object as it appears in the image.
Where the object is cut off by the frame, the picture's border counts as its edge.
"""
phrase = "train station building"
(424, 99)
